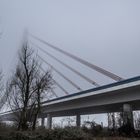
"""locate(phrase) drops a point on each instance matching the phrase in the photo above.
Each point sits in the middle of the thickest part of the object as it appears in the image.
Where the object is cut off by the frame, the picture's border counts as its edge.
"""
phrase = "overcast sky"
(103, 32)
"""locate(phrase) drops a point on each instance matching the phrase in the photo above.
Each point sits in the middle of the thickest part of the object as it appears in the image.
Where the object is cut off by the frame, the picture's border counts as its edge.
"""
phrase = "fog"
(105, 33)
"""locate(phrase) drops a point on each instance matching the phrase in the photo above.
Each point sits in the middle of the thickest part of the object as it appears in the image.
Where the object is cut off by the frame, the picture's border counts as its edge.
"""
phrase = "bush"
(94, 129)
(68, 133)
(126, 130)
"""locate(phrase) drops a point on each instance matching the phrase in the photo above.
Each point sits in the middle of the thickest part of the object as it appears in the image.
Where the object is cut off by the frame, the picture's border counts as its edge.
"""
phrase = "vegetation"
(67, 133)
(27, 87)
(3, 97)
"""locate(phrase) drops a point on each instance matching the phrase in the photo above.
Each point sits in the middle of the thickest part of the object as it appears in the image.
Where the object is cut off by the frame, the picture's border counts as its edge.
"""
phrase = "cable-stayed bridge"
(43, 50)
(121, 95)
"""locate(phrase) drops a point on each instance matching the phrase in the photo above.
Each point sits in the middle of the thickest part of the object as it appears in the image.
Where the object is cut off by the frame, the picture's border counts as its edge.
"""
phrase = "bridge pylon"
(128, 115)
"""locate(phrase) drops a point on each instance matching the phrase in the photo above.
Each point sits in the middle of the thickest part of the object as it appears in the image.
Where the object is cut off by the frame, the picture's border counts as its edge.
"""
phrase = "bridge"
(120, 96)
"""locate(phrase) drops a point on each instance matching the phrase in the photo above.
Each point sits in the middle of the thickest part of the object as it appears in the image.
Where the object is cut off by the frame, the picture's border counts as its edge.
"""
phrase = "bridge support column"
(78, 120)
(42, 122)
(128, 115)
(49, 121)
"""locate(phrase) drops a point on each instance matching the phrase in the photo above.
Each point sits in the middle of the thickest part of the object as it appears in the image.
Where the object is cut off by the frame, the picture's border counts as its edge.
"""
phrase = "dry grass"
(115, 138)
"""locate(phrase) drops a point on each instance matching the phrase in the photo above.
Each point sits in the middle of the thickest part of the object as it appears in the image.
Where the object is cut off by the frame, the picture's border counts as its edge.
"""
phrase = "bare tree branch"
(27, 87)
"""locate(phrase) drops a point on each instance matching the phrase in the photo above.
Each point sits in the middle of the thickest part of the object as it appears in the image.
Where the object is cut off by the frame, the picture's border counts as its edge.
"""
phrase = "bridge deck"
(107, 98)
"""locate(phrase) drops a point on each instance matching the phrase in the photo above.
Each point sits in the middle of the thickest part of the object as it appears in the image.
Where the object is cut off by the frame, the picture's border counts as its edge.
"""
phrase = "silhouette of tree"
(27, 87)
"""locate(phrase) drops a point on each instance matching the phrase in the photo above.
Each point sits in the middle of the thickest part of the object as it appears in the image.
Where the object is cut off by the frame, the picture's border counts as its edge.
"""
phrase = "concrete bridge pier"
(49, 121)
(43, 122)
(78, 120)
(128, 115)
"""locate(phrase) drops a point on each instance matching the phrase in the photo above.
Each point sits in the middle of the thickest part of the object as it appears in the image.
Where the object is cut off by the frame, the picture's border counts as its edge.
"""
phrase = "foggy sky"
(104, 32)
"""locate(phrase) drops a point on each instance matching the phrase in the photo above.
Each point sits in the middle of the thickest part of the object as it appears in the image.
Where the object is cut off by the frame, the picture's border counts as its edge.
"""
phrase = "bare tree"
(115, 120)
(3, 95)
(119, 119)
(1, 84)
(27, 87)
(137, 120)
(1, 90)
(43, 84)
(111, 120)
